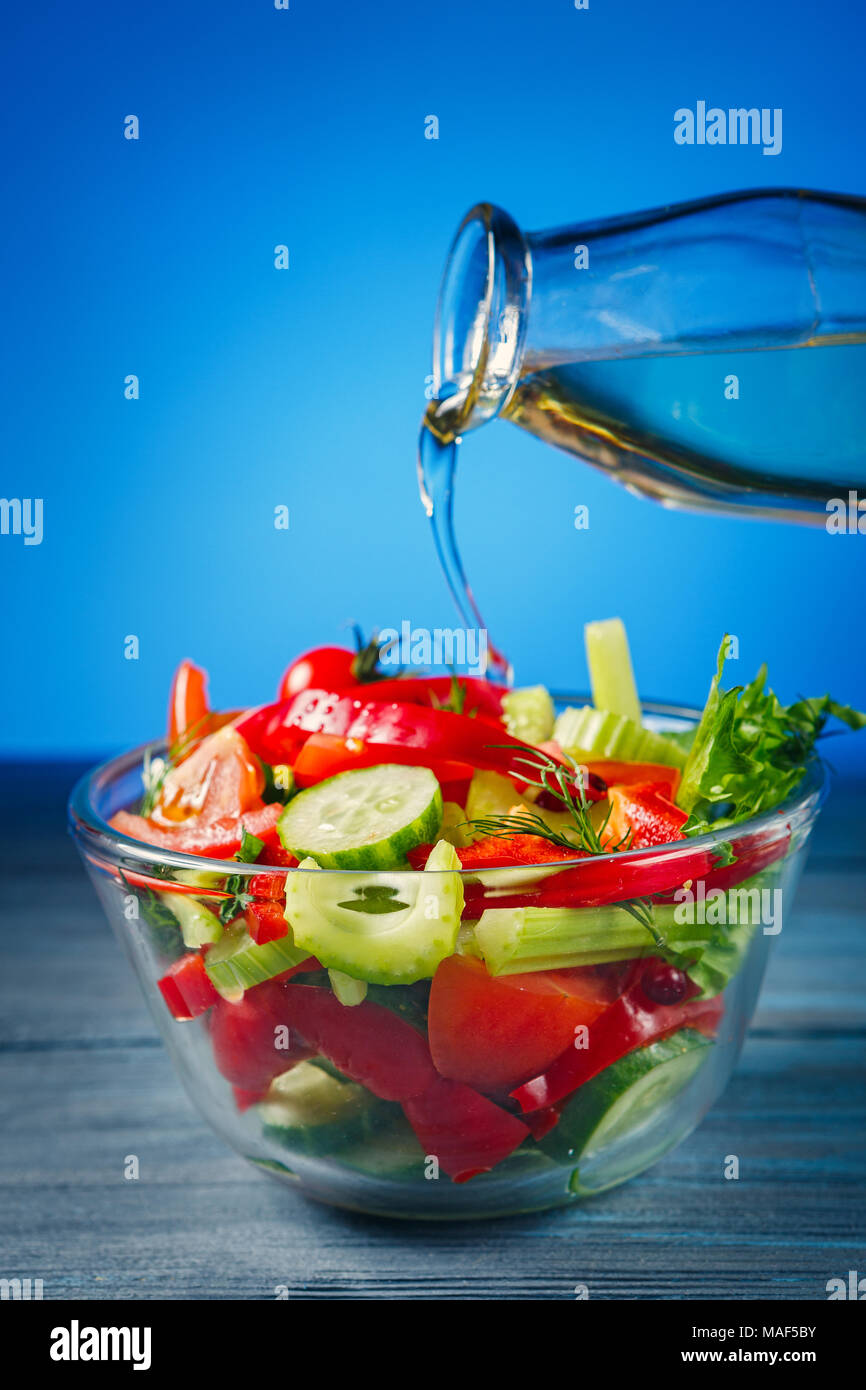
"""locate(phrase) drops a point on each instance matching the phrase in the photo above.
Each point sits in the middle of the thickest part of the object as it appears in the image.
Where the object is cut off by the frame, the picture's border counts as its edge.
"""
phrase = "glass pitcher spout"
(708, 354)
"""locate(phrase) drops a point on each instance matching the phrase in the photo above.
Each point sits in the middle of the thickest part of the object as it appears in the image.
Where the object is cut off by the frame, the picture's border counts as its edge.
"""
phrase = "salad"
(448, 939)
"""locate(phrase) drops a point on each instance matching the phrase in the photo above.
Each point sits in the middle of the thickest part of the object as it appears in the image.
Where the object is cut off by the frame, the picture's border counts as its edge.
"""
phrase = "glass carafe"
(708, 354)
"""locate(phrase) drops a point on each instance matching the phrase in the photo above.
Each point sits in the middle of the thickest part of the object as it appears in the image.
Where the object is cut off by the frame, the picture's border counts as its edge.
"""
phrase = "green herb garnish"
(239, 899)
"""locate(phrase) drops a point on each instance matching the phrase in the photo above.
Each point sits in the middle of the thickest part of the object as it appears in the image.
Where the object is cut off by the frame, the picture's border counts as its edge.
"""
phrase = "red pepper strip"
(499, 851)
(465, 1131)
(645, 812)
(541, 1122)
(479, 696)
(367, 1043)
(594, 882)
(631, 1021)
(277, 732)
(253, 1040)
(752, 856)
(616, 773)
(244, 1099)
(188, 705)
(186, 988)
(265, 921)
(324, 755)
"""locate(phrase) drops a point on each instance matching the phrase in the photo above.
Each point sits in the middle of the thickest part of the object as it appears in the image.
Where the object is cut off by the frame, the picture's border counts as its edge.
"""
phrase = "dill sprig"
(558, 781)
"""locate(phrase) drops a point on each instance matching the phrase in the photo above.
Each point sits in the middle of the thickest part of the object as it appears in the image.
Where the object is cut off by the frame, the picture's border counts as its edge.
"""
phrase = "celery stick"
(513, 940)
(610, 669)
(348, 990)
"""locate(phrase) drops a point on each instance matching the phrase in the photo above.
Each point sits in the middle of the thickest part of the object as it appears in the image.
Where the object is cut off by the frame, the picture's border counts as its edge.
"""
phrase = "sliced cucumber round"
(368, 818)
(311, 1111)
(385, 928)
(627, 1093)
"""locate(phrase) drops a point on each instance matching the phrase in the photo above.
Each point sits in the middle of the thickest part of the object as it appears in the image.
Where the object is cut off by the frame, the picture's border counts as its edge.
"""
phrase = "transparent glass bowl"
(362, 1153)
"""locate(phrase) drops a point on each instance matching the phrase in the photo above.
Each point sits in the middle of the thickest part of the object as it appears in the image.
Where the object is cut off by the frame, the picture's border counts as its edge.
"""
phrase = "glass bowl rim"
(89, 828)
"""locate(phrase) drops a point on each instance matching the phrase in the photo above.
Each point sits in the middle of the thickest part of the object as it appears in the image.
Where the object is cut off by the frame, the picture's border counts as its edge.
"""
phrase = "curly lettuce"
(750, 751)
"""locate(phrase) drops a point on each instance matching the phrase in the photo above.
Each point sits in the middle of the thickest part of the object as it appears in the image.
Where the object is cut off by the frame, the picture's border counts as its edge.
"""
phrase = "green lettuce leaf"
(750, 751)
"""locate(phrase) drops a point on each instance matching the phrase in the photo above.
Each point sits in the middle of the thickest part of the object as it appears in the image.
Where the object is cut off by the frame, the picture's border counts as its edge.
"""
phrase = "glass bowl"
(287, 1086)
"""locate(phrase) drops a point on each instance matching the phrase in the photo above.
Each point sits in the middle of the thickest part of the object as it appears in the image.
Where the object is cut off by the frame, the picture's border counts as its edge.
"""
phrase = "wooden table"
(85, 1082)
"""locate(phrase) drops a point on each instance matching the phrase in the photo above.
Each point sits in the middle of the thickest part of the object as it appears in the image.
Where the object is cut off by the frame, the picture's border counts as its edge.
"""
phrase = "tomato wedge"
(494, 1034)
(632, 1020)
(220, 778)
(219, 838)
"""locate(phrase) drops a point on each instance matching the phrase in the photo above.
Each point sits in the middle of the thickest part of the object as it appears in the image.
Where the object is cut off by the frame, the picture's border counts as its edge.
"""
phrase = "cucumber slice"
(627, 1093)
(588, 733)
(386, 928)
(237, 963)
(368, 818)
(199, 926)
(529, 713)
(312, 1111)
(610, 669)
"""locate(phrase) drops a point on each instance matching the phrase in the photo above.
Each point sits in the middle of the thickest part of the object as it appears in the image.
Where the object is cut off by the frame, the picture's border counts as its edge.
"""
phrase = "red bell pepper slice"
(616, 773)
(187, 989)
(645, 813)
(401, 733)
(244, 1037)
(480, 697)
(752, 855)
(265, 921)
(324, 755)
(465, 1131)
(499, 851)
(595, 882)
(188, 706)
(277, 732)
(631, 1021)
(368, 1043)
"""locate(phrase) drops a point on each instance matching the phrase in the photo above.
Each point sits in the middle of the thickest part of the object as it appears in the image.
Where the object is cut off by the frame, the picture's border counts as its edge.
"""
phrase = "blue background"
(305, 387)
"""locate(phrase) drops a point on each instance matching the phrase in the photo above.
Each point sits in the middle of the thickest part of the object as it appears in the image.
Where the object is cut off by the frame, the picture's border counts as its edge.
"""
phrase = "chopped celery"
(513, 940)
(199, 926)
(610, 669)
(348, 990)
(237, 962)
(587, 733)
(529, 714)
